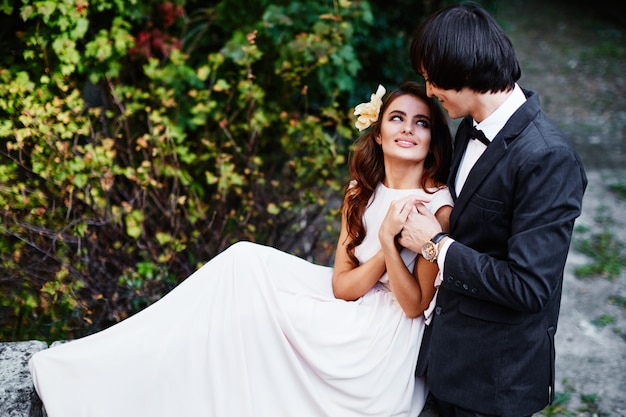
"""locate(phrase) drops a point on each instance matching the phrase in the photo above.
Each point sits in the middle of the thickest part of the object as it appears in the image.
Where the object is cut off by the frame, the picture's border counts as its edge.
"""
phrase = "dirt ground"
(591, 358)
(573, 53)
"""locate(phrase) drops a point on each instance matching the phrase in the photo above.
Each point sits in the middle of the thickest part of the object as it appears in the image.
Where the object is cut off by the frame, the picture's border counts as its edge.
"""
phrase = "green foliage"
(618, 301)
(606, 250)
(559, 405)
(603, 247)
(591, 406)
(604, 320)
(561, 400)
(619, 189)
(138, 139)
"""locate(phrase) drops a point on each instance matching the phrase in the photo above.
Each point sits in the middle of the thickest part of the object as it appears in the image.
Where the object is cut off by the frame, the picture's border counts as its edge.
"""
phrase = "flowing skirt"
(254, 332)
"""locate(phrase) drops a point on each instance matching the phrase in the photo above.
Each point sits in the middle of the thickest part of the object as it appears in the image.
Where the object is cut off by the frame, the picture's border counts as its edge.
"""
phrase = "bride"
(259, 332)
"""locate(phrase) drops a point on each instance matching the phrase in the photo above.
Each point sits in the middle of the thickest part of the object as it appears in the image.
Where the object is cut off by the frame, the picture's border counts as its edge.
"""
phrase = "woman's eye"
(423, 123)
(396, 117)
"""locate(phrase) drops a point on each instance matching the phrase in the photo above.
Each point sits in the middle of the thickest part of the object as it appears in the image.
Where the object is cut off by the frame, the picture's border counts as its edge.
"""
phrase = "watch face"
(429, 251)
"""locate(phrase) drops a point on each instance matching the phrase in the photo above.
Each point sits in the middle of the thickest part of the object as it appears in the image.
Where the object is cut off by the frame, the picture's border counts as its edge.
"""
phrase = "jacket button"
(474, 291)
(438, 310)
(450, 279)
(458, 283)
(465, 287)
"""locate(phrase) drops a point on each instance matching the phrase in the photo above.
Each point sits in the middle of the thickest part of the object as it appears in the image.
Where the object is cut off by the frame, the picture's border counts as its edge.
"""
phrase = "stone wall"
(17, 394)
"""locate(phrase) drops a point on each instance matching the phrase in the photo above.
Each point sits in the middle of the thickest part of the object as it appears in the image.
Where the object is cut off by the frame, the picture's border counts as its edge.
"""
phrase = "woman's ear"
(378, 139)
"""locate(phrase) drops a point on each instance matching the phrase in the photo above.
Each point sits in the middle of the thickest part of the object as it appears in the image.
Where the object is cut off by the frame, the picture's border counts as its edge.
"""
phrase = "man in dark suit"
(518, 187)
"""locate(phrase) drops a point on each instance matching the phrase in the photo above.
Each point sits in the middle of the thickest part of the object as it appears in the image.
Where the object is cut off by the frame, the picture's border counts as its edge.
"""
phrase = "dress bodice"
(376, 211)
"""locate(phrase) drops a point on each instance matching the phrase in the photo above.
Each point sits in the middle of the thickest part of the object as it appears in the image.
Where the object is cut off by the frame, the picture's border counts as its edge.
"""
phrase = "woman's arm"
(351, 281)
(415, 289)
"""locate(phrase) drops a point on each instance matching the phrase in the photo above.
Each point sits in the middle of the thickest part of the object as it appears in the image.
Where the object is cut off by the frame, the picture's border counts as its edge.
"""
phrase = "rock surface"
(591, 339)
(17, 397)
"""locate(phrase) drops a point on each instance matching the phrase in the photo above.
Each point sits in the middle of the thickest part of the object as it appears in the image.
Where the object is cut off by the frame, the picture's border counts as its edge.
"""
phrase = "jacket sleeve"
(514, 237)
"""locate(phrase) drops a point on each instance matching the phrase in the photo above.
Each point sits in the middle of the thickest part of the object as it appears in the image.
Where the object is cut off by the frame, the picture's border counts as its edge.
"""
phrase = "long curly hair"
(367, 167)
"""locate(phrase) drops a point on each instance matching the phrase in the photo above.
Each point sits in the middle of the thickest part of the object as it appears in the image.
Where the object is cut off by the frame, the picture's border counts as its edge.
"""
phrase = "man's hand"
(396, 218)
(420, 226)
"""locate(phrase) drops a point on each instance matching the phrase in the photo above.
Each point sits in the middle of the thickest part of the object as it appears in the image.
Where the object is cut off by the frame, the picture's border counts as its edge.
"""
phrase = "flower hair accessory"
(368, 112)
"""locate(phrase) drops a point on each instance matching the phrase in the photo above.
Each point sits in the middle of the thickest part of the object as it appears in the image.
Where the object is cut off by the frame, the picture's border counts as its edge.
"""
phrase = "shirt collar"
(496, 120)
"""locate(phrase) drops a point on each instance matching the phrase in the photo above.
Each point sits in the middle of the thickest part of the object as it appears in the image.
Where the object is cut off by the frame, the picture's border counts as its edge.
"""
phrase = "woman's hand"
(396, 218)
(420, 226)
(404, 283)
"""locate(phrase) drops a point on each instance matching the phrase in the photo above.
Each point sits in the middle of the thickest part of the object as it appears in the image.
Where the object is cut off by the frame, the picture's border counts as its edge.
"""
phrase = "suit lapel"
(460, 143)
(485, 164)
(489, 159)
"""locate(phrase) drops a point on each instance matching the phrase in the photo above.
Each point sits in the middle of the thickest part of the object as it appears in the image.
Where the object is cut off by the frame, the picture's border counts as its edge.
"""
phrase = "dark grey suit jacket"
(490, 345)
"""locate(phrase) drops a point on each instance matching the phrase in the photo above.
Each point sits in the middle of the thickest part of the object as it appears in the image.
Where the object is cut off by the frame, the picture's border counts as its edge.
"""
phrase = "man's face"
(457, 103)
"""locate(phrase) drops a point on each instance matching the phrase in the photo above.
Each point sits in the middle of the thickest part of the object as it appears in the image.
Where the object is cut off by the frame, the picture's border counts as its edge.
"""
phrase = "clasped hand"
(408, 223)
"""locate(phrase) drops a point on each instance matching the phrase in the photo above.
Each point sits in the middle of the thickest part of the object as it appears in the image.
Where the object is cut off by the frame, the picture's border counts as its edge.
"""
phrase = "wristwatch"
(430, 250)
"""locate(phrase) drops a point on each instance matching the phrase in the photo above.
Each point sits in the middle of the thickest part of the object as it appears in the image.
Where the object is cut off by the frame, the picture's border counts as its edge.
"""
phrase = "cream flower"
(368, 112)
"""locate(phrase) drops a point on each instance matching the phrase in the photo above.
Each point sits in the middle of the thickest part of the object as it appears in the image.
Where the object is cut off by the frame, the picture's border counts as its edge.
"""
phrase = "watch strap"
(438, 237)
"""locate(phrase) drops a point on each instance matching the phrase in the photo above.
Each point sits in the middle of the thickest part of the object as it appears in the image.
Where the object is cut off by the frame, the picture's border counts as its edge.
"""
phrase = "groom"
(518, 187)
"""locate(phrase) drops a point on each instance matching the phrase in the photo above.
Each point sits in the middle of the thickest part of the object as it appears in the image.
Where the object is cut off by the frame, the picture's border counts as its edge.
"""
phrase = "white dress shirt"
(475, 148)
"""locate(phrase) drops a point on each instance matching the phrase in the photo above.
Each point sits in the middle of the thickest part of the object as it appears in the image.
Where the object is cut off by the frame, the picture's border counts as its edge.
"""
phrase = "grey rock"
(17, 394)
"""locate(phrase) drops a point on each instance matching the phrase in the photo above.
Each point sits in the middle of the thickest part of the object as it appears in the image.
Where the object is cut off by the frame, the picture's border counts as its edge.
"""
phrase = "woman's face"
(405, 129)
